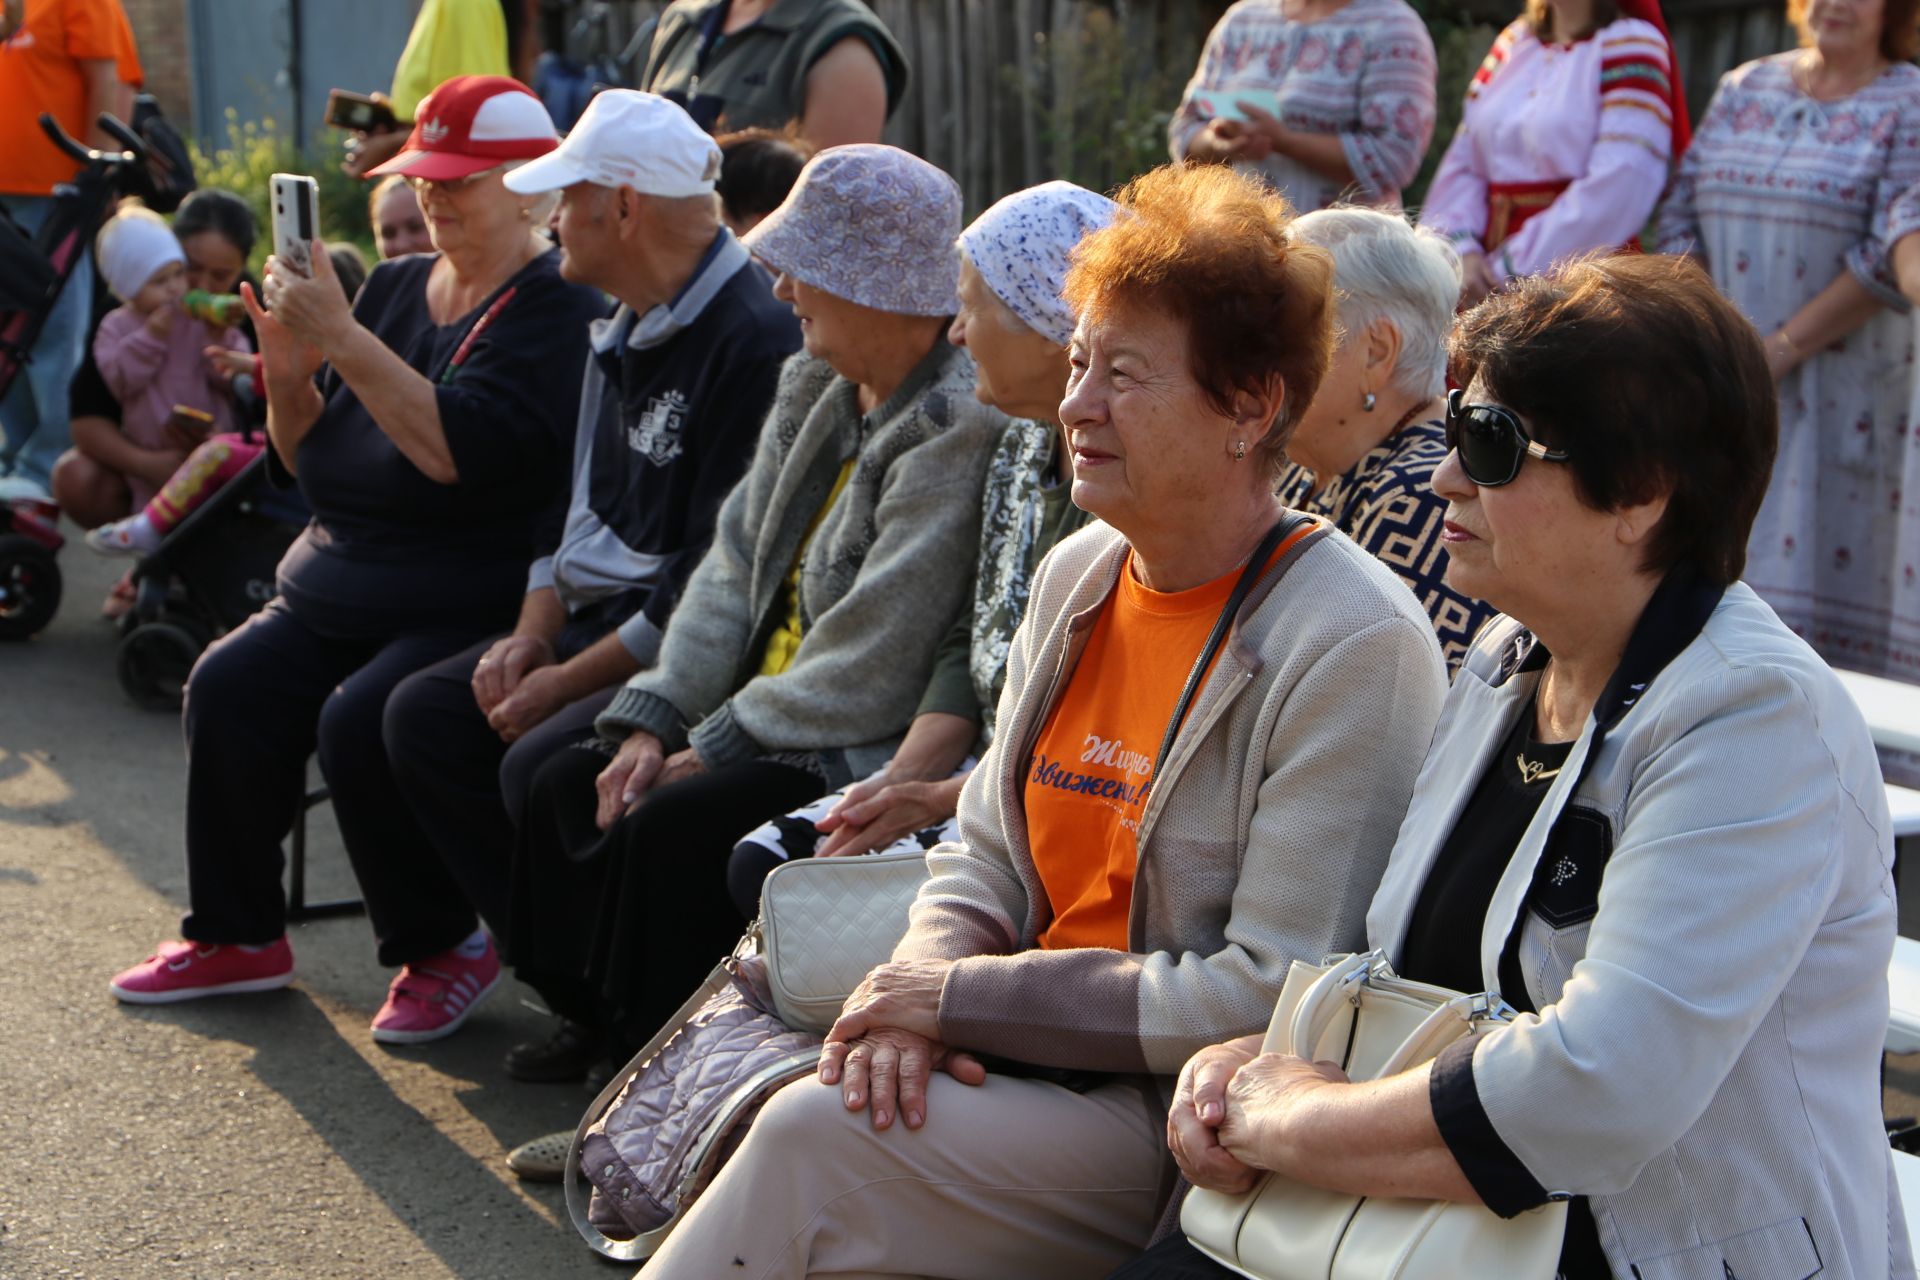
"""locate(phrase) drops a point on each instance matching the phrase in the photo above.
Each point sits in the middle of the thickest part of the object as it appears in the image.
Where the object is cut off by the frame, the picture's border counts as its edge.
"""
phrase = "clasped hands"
(1233, 1108)
(886, 1044)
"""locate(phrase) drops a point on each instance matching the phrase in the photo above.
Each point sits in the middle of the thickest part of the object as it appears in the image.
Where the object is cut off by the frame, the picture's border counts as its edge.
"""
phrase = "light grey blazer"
(1706, 1061)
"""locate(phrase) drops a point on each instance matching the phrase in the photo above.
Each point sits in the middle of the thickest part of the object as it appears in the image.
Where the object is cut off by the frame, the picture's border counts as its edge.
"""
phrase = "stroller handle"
(135, 149)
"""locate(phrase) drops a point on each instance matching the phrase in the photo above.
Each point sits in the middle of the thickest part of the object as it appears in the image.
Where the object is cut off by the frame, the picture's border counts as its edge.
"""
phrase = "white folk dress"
(1778, 195)
(1562, 148)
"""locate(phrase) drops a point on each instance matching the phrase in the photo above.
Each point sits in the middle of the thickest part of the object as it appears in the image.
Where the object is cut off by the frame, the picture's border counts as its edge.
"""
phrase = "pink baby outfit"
(149, 375)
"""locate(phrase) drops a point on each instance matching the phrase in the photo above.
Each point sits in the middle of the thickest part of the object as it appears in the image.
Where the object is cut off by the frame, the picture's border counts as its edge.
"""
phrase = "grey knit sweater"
(883, 578)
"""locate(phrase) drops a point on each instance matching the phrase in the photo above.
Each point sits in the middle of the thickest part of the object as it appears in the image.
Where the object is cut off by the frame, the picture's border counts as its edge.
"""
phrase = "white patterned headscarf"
(1022, 246)
(871, 224)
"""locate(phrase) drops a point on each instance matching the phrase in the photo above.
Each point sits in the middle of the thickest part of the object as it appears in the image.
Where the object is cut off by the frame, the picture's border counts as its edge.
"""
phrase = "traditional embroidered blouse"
(1593, 114)
(1386, 503)
(1364, 74)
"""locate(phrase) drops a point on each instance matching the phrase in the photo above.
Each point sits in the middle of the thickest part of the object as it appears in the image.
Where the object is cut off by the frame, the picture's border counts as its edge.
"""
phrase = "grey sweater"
(883, 578)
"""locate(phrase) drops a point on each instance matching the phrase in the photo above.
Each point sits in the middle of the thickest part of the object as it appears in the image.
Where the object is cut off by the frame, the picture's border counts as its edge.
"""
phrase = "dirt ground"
(245, 1136)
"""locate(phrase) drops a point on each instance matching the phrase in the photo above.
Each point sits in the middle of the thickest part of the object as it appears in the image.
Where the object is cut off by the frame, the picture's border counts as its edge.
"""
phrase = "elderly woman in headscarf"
(1013, 262)
(800, 649)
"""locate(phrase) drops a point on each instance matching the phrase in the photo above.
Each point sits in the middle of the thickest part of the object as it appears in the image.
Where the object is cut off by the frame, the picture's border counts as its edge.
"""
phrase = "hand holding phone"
(296, 220)
(1224, 104)
(360, 112)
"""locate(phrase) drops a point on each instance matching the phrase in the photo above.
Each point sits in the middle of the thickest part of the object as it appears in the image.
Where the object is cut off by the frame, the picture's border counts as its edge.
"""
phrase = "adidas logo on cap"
(433, 132)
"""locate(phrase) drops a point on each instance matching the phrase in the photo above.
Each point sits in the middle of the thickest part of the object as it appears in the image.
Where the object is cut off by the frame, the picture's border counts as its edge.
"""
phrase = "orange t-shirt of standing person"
(66, 57)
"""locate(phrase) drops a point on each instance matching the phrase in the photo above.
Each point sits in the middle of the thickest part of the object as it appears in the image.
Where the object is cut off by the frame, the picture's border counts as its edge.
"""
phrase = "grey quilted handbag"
(663, 1126)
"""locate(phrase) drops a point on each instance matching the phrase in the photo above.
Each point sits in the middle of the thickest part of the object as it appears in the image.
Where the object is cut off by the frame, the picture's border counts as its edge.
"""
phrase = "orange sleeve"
(93, 29)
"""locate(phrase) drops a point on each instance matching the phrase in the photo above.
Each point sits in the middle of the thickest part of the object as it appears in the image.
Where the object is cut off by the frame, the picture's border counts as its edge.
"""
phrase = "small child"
(152, 356)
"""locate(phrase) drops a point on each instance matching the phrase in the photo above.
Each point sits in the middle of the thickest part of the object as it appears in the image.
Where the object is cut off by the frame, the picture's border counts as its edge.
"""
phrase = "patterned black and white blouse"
(1386, 503)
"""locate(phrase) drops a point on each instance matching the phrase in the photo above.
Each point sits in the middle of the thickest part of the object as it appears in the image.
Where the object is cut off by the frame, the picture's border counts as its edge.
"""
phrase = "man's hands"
(517, 684)
(886, 1046)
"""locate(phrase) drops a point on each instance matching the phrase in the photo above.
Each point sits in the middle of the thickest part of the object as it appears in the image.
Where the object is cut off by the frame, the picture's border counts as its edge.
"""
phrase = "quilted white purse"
(826, 923)
(1355, 1011)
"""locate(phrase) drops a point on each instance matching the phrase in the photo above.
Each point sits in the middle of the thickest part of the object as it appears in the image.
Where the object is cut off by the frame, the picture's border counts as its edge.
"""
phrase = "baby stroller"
(209, 574)
(33, 271)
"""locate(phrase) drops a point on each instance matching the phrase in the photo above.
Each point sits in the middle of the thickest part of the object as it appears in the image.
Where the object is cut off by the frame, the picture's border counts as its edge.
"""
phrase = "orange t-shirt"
(40, 71)
(1086, 782)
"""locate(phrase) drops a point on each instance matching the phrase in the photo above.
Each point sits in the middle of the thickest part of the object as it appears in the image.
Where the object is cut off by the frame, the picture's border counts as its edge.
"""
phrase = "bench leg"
(299, 909)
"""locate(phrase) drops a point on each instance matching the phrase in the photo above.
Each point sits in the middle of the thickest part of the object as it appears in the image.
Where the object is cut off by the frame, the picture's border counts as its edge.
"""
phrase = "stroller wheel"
(153, 662)
(29, 587)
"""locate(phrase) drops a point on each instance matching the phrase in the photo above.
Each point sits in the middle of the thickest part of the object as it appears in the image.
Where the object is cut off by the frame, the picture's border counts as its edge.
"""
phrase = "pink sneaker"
(432, 998)
(189, 970)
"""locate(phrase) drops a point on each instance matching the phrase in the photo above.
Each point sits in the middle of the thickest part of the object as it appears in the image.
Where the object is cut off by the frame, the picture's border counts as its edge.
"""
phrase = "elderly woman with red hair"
(1149, 841)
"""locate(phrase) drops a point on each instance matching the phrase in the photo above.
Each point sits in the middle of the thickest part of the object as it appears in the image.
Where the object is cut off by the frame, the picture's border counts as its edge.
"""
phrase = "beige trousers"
(1008, 1180)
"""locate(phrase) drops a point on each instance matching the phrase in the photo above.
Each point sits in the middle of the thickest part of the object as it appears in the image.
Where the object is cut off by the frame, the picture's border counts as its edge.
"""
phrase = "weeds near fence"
(256, 150)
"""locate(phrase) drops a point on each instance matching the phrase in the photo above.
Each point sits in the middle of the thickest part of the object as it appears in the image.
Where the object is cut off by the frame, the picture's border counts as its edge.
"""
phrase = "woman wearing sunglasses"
(1650, 819)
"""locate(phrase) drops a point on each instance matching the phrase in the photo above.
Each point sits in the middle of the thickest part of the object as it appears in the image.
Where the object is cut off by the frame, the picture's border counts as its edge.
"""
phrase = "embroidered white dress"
(1778, 195)
(1574, 138)
(1364, 74)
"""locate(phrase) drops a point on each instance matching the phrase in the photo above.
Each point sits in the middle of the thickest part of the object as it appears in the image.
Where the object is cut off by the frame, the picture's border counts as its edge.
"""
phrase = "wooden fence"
(1008, 93)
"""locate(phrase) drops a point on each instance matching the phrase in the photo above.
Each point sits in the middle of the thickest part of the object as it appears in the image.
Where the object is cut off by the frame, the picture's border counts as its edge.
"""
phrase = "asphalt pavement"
(263, 1135)
(245, 1136)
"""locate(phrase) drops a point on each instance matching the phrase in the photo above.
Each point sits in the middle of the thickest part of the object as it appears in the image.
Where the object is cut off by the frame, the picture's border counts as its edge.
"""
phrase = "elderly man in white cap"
(680, 378)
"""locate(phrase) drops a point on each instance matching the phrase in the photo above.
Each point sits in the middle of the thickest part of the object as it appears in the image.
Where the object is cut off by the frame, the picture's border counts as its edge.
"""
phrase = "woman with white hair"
(1367, 446)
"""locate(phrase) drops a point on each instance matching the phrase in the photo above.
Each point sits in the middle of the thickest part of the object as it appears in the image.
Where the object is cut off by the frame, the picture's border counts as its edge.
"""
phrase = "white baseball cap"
(627, 138)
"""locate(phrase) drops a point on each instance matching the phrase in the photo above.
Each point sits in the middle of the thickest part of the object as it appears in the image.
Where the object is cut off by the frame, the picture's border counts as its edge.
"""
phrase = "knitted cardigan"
(1264, 837)
(882, 580)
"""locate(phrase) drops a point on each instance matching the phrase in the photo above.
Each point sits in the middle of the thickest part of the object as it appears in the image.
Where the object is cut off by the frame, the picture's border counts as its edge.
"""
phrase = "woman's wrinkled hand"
(1199, 1107)
(1476, 280)
(626, 779)
(1262, 1099)
(282, 355)
(899, 993)
(874, 813)
(886, 1071)
(313, 308)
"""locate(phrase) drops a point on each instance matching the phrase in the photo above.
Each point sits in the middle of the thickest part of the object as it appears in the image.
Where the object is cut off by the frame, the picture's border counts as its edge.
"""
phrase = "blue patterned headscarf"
(871, 224)
(1022, 247)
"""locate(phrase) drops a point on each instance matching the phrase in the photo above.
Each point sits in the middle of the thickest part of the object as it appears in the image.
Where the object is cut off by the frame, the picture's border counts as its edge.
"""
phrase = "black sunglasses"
(1491, 442)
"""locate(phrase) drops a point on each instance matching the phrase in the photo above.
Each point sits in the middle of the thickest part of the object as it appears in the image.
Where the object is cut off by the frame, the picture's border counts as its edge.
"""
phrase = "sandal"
(542, 1160)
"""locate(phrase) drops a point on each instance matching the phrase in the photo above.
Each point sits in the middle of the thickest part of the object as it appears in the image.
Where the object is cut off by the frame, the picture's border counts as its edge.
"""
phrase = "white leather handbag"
(1355, 1011)
(826, 923)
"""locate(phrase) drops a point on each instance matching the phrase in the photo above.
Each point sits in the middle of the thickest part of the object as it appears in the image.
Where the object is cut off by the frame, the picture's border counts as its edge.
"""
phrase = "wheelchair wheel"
(153, 661)
(29, 587)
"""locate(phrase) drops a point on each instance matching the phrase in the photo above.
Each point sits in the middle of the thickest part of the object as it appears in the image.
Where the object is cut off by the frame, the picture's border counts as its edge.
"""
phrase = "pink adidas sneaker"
(433, 997)
(189, 970)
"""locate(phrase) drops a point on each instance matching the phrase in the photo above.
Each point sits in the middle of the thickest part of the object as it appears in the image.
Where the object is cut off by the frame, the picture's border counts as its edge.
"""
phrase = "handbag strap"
(1283, 531)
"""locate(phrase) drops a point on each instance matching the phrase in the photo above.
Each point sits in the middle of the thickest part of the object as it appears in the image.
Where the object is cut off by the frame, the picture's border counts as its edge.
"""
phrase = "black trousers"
(464, 785)
(259, 702)
(1174, 1258)
(615, 929)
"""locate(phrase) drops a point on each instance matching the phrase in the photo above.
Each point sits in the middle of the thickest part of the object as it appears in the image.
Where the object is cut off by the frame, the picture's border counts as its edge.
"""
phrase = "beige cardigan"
(1262, 841)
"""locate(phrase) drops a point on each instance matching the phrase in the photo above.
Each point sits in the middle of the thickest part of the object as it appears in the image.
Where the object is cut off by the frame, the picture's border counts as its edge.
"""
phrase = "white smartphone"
(296, 220)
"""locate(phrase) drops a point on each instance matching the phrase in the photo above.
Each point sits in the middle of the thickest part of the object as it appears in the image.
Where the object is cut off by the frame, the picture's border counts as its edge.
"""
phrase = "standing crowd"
(1227, 573)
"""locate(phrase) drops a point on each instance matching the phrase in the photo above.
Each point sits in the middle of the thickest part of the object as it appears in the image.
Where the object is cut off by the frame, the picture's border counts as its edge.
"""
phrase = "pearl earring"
(1368, 401)
(1240, 451)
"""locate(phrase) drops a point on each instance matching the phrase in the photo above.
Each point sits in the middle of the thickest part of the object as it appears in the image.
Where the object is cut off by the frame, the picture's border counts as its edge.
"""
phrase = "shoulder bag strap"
(1283, 529)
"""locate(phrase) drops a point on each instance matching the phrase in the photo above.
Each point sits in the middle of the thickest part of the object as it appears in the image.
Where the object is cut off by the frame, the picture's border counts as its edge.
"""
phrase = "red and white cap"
(470, 124)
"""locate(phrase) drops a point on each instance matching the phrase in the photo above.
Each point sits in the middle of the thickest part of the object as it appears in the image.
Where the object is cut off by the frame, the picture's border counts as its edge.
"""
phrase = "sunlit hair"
(1213, 249)
(1386, 268)
(1899, 27)
(1652, 382)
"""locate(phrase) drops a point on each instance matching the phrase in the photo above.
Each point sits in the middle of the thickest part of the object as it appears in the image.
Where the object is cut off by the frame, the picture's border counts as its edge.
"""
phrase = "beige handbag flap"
(827, 923)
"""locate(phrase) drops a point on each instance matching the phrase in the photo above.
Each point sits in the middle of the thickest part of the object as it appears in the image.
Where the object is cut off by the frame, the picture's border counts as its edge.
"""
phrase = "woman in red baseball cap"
(439, 429)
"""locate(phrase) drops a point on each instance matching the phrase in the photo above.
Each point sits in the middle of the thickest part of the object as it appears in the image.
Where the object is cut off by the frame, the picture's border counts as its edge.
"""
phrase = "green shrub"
(255, 151)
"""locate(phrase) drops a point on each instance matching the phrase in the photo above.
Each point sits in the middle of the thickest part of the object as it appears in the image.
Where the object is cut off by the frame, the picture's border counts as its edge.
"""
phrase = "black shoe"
(562, 1057)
